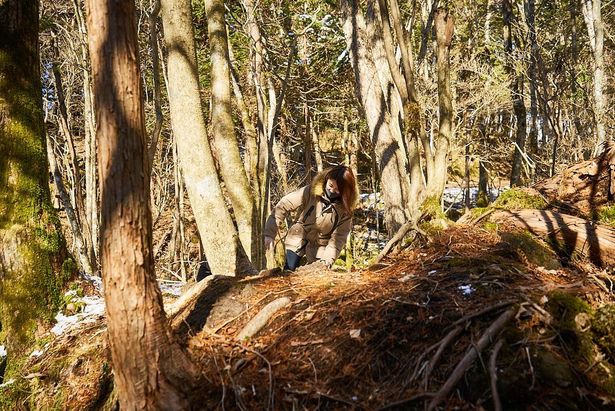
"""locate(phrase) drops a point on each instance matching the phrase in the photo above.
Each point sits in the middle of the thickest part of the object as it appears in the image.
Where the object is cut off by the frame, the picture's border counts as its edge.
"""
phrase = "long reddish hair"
(347, 185)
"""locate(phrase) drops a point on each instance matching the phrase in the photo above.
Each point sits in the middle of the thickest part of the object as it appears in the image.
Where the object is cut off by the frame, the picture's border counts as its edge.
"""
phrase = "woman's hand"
(268, 242)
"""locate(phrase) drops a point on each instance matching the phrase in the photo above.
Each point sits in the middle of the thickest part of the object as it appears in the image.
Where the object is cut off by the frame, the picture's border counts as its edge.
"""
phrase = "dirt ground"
(377, 339)
(403, 334)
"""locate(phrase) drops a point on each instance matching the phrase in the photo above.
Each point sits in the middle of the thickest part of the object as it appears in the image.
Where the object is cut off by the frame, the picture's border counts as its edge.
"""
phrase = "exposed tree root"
(493, 373)
(261, 319)
(471, 355)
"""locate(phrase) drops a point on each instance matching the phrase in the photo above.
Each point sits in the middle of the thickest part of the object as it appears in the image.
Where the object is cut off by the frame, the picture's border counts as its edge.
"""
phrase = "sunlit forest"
(307, 205)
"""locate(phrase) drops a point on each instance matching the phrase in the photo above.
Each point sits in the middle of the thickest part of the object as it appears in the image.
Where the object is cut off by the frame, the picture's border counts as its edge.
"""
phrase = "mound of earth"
(472, 318)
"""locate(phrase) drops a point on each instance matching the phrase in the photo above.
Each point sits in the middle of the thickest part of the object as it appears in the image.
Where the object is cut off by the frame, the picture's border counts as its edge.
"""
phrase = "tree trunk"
(516, 90)
(482, 198)
(567, 234)
(375, 99)
(91, 184)
(595, 29)
(71, 215)
(150, 369)
(32, 249)
(444, 25)
(75, 211)
(223, 129)
(219, 237)
(153, 48)
(530, 13)
(413, 112)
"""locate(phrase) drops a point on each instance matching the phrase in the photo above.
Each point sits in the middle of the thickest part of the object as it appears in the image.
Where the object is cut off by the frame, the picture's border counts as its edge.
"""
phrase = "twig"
(405, 401)
(403, 230)
(493, 373)
(470, 356)
(443, 344)
(529, 361)
(481, 312)
(270, 402)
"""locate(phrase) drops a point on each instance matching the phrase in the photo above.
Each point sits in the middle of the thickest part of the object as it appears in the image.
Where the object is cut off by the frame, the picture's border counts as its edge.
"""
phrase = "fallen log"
(584, 186)
(566, 233)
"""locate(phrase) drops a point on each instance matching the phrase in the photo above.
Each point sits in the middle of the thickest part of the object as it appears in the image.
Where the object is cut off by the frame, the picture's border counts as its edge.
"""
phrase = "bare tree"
(151, 370)
(224, 138)
(595, 29)
(219, 236)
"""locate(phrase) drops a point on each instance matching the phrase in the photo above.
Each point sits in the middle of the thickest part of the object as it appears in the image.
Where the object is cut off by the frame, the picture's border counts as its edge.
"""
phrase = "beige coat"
(319, 228)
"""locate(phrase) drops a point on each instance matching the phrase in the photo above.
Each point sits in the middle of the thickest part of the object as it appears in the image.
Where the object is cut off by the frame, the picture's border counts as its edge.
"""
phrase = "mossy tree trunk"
(151, 371)
(32, 249)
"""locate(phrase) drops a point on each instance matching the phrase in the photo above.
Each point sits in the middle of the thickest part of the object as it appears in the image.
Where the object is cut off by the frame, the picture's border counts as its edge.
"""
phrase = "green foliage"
(606, 215)
(518, 198)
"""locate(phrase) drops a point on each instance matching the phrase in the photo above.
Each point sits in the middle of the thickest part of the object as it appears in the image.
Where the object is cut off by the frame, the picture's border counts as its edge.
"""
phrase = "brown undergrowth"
(377, 338)
(431, 327)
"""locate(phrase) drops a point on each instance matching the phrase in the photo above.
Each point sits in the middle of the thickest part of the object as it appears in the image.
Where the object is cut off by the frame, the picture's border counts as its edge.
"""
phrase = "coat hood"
(317, 188)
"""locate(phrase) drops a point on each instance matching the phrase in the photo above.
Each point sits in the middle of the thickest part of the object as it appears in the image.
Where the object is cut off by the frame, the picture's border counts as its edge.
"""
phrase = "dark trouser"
(292, 260)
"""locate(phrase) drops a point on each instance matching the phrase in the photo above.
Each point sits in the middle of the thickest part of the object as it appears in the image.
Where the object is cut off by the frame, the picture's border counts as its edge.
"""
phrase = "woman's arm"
(288, 203)
(337, 241)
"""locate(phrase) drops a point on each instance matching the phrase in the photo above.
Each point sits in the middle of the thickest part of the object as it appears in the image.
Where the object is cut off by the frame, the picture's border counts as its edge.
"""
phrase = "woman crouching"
(323, 220)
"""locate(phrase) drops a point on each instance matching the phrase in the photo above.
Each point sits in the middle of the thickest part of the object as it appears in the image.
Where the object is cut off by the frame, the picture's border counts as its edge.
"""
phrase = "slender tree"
(223, 130)
(592, 13)
(444, 27)
(151, 370)
(516, 91)
(378, 98)
(219, 236)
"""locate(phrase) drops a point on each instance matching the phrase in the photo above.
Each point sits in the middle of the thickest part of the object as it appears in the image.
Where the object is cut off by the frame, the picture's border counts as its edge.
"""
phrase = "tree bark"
(91, 183)
(32, 249)
(516, 91)
(223, 129)
(566, 233)
(151, 370)
(219, 236)
(376, 100)
(444, 25)
(595, 29)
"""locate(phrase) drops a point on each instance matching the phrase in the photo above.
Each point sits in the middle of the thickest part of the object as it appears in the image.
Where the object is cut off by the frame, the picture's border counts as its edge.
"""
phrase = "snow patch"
(36, 353)
(94, 309)
(173, 288)
(466, 289)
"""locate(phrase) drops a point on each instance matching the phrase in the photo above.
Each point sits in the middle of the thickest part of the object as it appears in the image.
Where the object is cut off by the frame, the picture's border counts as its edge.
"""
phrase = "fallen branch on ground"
(465, 363)
(493, 373)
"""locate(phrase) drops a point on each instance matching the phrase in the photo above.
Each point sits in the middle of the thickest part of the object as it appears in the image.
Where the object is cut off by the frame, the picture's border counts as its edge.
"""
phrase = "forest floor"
(402, 334)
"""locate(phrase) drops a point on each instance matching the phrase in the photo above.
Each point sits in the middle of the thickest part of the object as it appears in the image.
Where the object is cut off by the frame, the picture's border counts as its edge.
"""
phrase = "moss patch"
(603, 326)
(606, 215)
(532, 248)
(519, 198)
